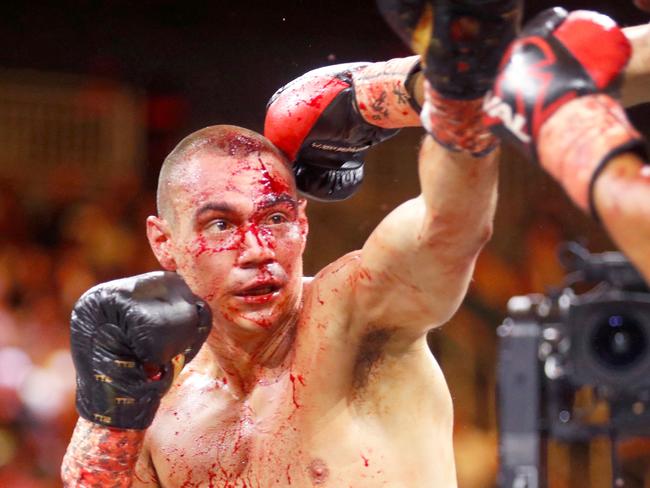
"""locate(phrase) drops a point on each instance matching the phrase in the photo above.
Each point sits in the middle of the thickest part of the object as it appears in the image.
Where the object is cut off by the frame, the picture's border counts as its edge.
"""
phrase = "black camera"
(569, 354)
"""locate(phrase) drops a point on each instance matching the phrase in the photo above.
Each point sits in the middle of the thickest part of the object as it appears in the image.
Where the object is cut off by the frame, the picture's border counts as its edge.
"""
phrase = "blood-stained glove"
(554, 97)
(461, 43)
(326, 120)
(128, 338)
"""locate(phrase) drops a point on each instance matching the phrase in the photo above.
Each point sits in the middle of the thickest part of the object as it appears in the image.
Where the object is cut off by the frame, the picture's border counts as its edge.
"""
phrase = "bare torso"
(348, 410)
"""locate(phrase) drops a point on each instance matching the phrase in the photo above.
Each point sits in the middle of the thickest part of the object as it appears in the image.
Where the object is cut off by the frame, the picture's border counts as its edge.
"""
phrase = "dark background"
(203, 63)
(226, 58)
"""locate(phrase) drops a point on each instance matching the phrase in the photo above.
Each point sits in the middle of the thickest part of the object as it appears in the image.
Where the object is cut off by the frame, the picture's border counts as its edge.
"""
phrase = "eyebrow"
(272, 200)
(213, 207)
(226, 208)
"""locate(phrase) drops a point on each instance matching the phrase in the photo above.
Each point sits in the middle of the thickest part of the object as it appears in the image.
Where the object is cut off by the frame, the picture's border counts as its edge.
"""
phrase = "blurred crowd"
(52, 248)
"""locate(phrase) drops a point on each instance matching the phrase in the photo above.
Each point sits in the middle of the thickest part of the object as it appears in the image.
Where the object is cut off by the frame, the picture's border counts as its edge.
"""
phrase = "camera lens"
(618, 341)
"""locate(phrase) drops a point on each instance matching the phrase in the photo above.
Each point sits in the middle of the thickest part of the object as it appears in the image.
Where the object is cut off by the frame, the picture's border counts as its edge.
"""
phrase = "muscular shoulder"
(328, 296)
(322, 345)
(333, 286)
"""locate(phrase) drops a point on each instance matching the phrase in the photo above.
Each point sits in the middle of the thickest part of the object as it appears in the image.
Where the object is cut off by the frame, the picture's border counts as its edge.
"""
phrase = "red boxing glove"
(326, 120)
(553, 99)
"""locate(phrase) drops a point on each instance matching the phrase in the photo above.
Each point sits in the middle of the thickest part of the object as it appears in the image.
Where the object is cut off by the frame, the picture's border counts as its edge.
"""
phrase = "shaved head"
(225, 140)
(229, 218)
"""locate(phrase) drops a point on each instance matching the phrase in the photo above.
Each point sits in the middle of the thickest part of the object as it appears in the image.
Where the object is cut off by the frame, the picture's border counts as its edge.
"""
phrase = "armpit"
(369, 354)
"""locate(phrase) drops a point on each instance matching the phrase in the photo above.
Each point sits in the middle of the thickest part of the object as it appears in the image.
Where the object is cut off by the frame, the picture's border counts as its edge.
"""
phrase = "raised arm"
(129, 338)
(416, 266)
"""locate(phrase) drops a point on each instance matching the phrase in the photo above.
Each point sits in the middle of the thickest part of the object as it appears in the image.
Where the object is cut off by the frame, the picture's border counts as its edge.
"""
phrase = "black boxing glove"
(461, 43)
(329, 184)
(323, 128)
(127, 337)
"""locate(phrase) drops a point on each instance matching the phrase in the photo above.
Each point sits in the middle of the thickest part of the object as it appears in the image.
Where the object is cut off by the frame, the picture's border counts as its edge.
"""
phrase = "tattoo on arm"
(384, 93)
(99, 456)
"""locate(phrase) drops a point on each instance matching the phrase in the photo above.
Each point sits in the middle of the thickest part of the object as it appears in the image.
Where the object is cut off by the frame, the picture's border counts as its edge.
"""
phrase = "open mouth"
(257, 291)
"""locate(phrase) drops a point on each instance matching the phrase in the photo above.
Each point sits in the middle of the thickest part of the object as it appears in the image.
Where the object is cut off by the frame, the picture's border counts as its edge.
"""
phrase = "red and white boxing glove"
(326, 120)
(554, 97)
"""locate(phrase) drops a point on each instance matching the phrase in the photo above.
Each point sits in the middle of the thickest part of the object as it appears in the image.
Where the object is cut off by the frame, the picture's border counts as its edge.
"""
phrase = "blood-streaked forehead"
(254, 178)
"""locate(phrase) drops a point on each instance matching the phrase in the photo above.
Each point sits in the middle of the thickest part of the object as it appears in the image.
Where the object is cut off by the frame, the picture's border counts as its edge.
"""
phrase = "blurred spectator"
(52, 249)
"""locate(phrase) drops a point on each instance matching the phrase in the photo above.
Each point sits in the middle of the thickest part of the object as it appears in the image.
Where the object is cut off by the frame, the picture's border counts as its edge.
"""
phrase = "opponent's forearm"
(636, 84)
(101, 457)
(622, 201)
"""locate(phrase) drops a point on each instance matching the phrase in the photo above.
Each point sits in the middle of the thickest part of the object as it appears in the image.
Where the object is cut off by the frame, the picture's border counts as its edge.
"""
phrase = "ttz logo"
(495, 107)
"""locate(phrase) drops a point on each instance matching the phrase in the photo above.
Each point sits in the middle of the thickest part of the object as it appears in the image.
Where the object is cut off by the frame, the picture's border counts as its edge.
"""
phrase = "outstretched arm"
(416, 266)
(622, 192)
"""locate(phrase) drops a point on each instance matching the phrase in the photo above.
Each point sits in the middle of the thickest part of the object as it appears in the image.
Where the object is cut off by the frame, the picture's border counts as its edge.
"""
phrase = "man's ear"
(160, 241)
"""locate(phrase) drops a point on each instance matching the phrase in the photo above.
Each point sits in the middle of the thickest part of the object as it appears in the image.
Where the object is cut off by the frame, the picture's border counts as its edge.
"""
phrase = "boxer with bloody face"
(237, 229)
(232, 225)
(301, 382)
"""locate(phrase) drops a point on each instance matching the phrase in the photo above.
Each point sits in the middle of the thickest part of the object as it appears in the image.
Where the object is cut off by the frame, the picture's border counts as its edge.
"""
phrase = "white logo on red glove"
(495, 107)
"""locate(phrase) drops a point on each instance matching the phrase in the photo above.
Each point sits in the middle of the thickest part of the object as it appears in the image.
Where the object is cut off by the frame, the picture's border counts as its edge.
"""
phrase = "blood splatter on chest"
(226, 444)
(220, 454)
